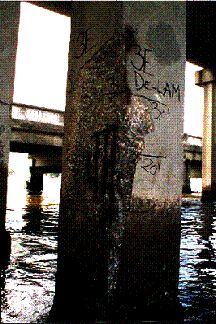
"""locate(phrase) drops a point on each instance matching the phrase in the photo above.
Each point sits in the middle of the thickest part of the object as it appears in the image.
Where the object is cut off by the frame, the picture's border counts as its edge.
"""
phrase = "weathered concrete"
(119, 228)
(206, 79)
(9, 23)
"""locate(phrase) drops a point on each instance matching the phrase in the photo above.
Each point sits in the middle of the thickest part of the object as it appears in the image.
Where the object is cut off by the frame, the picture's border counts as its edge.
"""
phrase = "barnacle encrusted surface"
(102, 99)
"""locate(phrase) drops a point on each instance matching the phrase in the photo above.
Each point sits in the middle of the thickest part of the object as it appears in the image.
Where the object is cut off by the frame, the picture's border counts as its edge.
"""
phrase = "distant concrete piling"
(46, 161)
(205, 78)
(35, 185)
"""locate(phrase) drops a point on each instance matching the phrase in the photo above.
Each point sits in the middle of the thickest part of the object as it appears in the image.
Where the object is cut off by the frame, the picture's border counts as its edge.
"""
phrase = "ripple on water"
(29, 285)
(29, 282)
(197, 276)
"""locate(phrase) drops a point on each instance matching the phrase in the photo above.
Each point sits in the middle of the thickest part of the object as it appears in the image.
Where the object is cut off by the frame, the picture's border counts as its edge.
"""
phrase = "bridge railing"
(37, 114)
(192, 140)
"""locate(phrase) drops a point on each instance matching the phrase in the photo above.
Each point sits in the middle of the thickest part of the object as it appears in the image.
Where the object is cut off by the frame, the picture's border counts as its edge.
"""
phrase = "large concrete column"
(206, 79)
(119, 228)
(9, 23)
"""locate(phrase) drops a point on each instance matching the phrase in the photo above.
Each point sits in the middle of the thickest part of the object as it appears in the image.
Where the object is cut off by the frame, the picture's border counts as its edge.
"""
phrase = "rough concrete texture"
(119, 233)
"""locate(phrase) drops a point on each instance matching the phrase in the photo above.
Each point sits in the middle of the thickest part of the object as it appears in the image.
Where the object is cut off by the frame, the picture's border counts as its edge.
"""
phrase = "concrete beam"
(47, 159)
(30, 132)
(36, 127)
(36, 138)
(202, 77)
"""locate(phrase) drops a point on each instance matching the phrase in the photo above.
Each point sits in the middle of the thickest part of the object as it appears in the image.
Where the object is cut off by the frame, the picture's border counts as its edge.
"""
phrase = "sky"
(194, 100)
(42, 58)
(41, 68)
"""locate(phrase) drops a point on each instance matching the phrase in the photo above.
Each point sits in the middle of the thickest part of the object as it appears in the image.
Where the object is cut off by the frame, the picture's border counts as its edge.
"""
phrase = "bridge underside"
(200, 31)
(34, 148)
(45, 159)
(41, 140)
(33, 133)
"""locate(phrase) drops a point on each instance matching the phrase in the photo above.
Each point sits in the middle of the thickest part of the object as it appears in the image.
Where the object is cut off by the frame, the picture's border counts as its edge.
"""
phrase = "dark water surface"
(197, 284)
(29, 282)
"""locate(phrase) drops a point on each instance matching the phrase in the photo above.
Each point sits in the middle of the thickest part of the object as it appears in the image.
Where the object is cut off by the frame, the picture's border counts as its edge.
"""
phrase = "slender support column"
(206, 79)
(36, 179)
(9, 23)
(186, 182)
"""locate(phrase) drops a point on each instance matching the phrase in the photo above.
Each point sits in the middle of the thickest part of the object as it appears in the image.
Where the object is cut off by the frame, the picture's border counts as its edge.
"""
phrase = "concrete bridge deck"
(35, 126)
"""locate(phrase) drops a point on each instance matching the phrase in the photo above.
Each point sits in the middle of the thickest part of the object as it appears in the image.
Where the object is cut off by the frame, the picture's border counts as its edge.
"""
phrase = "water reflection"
(28, 282)
(197, 285)
(39, 218)
(33, 214)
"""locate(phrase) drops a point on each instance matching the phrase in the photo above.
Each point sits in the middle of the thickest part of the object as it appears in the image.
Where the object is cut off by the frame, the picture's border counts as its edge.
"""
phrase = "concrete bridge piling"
(118, 252)
(119, 225)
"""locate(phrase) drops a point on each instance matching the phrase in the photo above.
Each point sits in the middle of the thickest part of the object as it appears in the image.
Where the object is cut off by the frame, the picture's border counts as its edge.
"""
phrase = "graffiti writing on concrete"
(84, 45)
(145, 83)
(156, 108)
(152, 90)
(4, 103)
(84, 42)
(151, 164)
(143, 60)
(170, 89)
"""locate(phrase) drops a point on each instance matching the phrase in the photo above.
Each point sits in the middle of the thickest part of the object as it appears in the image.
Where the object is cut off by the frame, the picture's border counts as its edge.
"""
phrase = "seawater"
(197, 280)
(29, 280)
